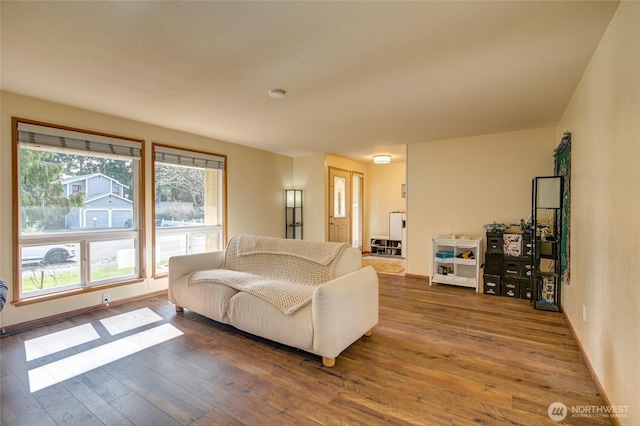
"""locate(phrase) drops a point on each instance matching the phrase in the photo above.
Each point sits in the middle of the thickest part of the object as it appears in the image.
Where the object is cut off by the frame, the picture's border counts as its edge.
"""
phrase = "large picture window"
(78, 199)
(188, 207)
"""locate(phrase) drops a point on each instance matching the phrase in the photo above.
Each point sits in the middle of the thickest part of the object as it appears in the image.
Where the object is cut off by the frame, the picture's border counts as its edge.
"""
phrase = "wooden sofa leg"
(179, 308)
(328, 362)
(369, 333)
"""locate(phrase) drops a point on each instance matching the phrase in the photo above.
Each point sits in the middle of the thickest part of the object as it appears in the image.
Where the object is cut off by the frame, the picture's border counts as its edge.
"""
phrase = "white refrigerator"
(397, 229)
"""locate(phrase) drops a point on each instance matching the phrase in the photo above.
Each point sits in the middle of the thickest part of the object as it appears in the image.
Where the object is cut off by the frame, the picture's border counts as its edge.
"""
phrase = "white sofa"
(325, 300)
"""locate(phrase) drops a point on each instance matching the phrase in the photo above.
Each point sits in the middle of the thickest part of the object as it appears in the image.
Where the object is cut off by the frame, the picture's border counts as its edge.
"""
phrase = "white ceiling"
(361, 77)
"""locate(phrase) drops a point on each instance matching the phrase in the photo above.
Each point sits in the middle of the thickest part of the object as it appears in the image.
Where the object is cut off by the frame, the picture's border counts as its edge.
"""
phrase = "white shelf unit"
(384, 246)
(450, 267)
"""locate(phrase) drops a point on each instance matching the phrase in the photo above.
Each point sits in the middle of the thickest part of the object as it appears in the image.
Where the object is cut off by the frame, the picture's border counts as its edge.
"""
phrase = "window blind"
(34, 136)
(179, 157)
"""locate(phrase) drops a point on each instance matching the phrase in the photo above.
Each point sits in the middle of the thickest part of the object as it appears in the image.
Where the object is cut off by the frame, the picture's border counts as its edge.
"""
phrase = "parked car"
(49, 254)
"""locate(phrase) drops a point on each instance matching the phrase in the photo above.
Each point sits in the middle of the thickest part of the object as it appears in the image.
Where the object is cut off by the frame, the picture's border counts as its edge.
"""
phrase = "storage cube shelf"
(456, 261)
(508, 267)
(383, 246)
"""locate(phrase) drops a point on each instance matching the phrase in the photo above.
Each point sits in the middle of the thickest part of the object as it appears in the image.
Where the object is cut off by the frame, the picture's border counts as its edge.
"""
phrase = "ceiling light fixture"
(381, 159)
(277, 93)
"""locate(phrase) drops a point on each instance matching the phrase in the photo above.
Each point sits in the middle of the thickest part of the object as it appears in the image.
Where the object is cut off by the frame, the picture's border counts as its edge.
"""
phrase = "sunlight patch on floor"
(74, 365)
(59, 341)
(129, 320)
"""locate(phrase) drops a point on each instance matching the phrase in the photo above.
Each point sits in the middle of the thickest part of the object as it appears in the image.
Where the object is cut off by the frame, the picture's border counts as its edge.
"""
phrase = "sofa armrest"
(343, 310)
(182, 265)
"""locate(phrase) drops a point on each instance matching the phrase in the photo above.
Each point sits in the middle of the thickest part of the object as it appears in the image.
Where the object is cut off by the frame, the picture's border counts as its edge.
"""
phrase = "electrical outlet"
(584, 312)
(106, 297)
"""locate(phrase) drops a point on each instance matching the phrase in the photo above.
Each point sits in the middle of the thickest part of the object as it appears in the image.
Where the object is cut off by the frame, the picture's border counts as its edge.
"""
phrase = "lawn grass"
(52, 277)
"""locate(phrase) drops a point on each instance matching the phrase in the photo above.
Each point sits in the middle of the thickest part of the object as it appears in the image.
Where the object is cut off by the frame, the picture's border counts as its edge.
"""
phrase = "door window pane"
(340, 196)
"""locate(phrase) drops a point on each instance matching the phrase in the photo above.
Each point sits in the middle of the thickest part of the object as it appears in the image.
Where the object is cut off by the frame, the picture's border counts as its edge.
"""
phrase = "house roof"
(361, 77)
(68, 179)
(92, 198)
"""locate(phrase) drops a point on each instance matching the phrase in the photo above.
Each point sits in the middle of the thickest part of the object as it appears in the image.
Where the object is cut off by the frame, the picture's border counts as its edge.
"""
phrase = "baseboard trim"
(417, 276)
(40, 322)
(592, 372)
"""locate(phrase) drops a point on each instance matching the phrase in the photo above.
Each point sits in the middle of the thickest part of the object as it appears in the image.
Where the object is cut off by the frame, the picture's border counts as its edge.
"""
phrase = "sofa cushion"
(208, 299)
(351, 260)
(287, 296)
(253, 315)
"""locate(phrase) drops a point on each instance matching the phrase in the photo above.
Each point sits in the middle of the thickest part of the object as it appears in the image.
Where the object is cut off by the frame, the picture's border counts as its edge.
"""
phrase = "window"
(340, 196)
(73, 230)
(188, 207)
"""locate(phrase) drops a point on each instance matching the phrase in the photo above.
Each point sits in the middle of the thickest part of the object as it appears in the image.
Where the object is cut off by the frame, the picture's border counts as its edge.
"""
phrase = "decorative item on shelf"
(467, 254)
(444, 254)
(512, 244)
(495, 227)
(293, 213)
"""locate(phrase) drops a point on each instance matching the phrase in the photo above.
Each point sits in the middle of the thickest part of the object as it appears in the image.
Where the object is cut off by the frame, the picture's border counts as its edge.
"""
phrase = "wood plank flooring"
(440, 355)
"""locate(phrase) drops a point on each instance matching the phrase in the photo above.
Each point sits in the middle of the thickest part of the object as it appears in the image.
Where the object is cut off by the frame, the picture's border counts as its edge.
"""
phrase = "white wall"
(255, 183)
(456, 186)
(384, 195)
(309, 175)
(604, 119)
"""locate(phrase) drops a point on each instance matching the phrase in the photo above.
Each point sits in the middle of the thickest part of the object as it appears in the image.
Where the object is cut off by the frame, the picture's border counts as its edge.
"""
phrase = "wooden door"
(339, 205)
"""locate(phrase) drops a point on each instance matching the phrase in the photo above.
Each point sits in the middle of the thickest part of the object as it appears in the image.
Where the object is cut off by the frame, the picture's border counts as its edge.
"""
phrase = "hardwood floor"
(440, 355)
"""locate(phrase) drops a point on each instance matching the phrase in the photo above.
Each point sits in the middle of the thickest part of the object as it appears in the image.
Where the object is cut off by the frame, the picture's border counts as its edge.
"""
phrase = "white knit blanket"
(286, 296)
(279, 271)
(319, 252)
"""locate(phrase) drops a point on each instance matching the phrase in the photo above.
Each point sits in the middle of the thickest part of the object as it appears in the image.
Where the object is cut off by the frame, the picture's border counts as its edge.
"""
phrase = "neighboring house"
(106, 202)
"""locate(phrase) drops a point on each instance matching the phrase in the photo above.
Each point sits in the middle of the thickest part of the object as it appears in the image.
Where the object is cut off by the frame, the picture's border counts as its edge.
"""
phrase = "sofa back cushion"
(310, 262)
(350, 260)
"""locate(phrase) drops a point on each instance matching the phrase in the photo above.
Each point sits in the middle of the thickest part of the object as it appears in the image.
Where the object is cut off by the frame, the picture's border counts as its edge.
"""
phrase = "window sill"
(68, 293)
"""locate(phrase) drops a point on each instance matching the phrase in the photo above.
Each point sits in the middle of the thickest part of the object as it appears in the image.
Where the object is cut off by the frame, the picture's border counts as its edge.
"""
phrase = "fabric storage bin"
(525, 290)
(492, 284)
(494, 242)
(512, 267)
(510, 288)
(527, 244)
(493, 263)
